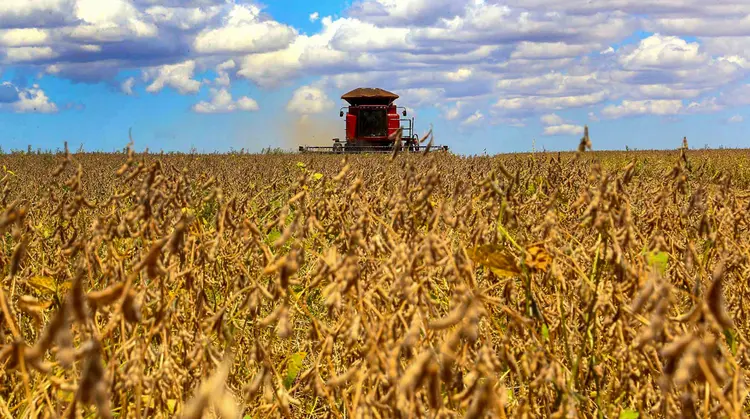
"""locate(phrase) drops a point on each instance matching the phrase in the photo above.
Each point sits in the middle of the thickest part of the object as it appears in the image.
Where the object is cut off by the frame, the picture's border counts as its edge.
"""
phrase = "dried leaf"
(537, 258)
(42, 284)
(498, 259)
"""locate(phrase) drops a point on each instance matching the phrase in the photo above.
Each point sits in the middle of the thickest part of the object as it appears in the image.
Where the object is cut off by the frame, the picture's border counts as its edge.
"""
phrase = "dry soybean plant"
(586, 284)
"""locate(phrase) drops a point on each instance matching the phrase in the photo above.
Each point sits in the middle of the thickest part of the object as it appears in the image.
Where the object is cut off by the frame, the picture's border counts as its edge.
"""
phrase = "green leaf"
(629, 414)
(731, 340)
(658, 260)
(274, 235)
(318, 176)
(294, 365)
(545, 332)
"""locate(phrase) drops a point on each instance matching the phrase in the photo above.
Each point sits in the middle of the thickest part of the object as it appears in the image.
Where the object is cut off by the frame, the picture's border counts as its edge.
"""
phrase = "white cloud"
(736, 119)
(309, 100)
(554, 84)
(222, 77)
(454, 111)
(552, 119)
(737, 96)
(110, 21)
(308, 55)
(244, 31)
(659, 51)
(556, 125)
(221, 102)
(127, 86)
(26, 37)
(548, 103)
(183, 18)
(473, 119)
(707, 105)
(420, 97)
(643, 107)
(564, 129)
(226, 65)
(402, 12)
(33, 100)
(24, 54)
(42, 13)
(660, 91)
(702, 26)
(527, 57)
(352, 35)
(546, 50)
(728, 46)
(177, 76)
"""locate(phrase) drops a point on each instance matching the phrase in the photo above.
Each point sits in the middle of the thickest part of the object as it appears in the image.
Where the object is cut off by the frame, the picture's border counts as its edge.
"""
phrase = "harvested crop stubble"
(539, 285)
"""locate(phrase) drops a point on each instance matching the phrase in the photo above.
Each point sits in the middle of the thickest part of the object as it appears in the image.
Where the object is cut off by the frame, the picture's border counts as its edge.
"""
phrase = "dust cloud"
(311, 130)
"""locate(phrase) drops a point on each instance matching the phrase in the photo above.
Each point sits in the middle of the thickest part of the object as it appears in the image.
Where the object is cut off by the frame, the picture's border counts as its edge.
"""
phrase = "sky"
(486, 76)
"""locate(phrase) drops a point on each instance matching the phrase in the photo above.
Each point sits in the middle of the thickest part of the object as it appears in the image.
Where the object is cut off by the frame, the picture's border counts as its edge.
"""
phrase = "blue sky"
(488, 76)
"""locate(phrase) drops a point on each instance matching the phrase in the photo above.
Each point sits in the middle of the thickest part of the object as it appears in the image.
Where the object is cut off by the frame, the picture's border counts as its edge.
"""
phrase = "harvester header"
(372, 123)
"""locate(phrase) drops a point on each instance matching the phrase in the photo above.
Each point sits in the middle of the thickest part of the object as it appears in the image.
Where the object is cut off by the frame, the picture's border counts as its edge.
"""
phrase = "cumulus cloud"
(551, 50)
(552, 119)
(178, 76)
(27, 14)
(309, 100)
(24, 37)
(25, 54)
(556, 125)
(643, 107)
(243, 30)
(421, 97)
(25, 100)
(563, 129)
(110, 21)
(127, 86)
(183, 17)
(222, 102)
(659, 51)
(454, 111)
(735, 119)
(473, 119)
(523, 104)
(405, 12)
(222, 70)
(526, 58)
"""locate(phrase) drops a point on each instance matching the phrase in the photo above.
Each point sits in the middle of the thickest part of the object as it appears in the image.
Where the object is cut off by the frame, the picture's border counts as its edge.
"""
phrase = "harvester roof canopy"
(369, 96)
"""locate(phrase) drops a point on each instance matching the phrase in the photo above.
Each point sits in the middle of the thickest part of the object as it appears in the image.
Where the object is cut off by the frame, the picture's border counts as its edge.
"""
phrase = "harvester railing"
(407, 131)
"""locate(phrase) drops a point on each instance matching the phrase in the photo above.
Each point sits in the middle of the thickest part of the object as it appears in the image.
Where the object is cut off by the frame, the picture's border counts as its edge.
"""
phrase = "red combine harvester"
(372, 122)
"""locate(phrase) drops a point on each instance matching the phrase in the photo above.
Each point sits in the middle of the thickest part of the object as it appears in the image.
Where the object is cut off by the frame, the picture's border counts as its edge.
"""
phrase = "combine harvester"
(373, 126)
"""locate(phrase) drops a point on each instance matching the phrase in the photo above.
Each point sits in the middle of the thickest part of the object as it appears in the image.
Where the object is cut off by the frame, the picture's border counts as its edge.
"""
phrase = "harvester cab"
(372, 121)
